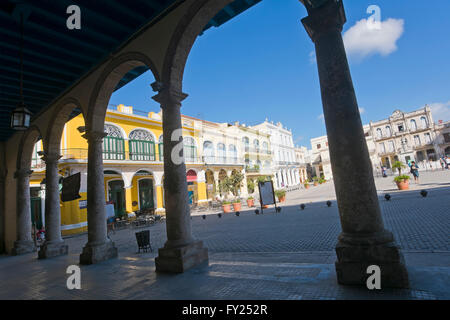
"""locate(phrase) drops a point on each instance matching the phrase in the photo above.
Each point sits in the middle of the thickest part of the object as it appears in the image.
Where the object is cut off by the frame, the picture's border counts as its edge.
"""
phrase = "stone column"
(180, 251)
(363, 241)
(24, 243)
(54, 245)
(99, 247)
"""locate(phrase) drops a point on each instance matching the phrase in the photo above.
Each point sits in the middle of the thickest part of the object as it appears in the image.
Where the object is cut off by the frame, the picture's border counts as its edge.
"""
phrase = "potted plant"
(281, 195)
(402, 181)
(226, 206)
(315, 181)
(237, 204)
(250, 186)
(250, 202)
(306, 184)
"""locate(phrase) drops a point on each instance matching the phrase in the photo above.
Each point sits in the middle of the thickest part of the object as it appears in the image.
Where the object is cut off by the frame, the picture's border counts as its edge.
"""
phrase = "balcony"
(211, 160)
(383, 136)
(419, 128)
(256, 150)
(387, 153)
(81, 155)
(423, 145)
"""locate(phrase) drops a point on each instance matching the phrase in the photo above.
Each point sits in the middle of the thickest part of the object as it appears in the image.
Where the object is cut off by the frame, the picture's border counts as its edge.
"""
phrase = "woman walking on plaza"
(415, 172)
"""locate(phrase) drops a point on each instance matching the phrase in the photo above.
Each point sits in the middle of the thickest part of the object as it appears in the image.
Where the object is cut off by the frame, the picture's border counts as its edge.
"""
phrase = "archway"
(115, 192)
(99, 247)
(143, 195)
(191, 177)
(210, 184)
(360, 213)
(24, 242)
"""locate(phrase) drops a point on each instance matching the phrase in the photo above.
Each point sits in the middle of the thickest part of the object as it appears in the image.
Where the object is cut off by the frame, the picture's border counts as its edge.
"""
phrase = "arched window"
(190, 150)
(161, 148)
(424, 122)
(413, 125)
(256, 145)
(417, 140)
(427, 138)
(142, 145)
(208, 152)
(388, 131)
(232, 153)
(113, 144)
(246, 143)
(221, 153)
(379, 133)
(265, 147)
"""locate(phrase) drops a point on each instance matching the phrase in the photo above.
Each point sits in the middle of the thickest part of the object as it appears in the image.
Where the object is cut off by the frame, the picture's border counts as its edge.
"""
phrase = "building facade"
(404, 136)
(285, 166)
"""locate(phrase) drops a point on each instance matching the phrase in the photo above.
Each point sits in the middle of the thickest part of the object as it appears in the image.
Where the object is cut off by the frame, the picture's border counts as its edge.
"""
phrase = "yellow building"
(133, 166)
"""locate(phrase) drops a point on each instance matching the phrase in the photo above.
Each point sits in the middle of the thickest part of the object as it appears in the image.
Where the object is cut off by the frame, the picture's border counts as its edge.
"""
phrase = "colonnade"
(363, 240)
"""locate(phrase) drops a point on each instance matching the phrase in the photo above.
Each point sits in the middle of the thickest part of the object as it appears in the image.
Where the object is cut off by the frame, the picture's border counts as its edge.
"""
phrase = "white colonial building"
(285, 166)
(404, 136)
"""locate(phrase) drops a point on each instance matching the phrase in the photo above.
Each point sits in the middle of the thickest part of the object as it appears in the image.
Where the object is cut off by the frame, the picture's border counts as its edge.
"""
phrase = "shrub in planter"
(237, 205)
(250, 202)
(226, 206)
(315, 181)
(402, 182)
(306, 185)
(281, 195)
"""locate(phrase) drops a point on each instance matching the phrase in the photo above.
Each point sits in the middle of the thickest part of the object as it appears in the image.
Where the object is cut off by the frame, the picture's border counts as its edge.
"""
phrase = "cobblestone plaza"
(289, 255)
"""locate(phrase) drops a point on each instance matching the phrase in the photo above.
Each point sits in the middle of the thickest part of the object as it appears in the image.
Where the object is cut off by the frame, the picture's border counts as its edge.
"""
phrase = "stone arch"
(184, 36)
(26, 147)
(151, 134)
(52, 139)
(108, 81)
(123, 135)
(125, 178)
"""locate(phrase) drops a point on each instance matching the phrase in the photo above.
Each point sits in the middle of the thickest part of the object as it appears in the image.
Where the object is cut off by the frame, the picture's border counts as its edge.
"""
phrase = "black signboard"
(71, 188)
(266, 194)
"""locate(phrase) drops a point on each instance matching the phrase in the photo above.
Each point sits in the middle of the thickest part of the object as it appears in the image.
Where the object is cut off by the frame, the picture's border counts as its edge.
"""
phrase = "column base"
(98, 252)
(23, 247)
(53, 249)
(353, 260)
(180, 259)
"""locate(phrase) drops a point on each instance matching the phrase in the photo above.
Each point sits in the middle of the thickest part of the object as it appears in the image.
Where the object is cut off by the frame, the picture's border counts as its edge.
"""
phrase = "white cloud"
(312, 57)
(440, 111)
(362, 40)
(362, 110)
(321, 117)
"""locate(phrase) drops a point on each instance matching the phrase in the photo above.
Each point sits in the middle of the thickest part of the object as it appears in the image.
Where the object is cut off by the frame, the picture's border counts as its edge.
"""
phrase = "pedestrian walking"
(442, 162)
(415, 172)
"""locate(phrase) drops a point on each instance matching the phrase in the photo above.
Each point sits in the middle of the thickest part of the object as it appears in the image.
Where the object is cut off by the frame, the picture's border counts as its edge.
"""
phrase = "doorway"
(145, 187)
(117, 196)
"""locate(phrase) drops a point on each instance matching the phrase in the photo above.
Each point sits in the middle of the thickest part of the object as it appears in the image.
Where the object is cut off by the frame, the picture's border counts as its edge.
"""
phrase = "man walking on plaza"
(415, 172)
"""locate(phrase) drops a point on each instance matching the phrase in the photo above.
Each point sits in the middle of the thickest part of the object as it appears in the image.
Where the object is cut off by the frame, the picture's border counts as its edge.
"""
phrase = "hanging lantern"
(20, 118)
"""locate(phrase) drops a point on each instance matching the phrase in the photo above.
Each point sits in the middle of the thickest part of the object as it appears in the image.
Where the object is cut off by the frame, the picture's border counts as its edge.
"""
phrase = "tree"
(235, 182)
(399, 166)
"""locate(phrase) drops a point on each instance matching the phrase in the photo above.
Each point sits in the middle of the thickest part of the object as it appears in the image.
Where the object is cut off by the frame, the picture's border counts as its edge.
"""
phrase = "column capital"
(21, 173)
(94, 136)
(169, 96)
(323, 19)
(51, 158)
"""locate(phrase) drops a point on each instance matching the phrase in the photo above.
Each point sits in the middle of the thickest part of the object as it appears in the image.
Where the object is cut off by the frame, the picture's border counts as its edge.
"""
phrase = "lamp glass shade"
(20, 118)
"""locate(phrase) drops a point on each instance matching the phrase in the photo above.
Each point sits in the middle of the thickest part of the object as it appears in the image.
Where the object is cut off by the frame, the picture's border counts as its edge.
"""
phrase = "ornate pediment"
(398, 114)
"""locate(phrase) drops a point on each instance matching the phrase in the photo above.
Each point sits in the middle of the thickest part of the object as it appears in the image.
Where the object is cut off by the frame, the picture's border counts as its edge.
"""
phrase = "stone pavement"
(271, 256)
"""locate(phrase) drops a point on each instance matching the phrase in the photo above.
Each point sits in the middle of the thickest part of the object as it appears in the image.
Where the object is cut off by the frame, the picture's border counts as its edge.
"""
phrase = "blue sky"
(261, 65)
